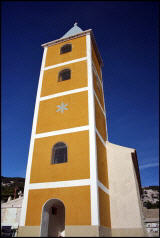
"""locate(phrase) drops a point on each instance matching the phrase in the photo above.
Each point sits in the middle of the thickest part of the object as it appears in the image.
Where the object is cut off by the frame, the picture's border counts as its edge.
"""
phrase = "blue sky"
(127, 37)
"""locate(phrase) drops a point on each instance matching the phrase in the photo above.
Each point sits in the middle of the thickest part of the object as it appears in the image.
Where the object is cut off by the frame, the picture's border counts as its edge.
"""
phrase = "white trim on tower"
(100, 104)
(28, 171)
(104, 109)
(60, 184)
(65, 184)
(77, 90)
(101, 82)
(65, 63)
(95, 71)
(64, 131)
(100, 137)
(92, 139)
(106, 190)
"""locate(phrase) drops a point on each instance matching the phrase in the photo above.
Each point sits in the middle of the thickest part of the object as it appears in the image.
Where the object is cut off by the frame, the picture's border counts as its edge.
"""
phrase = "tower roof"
(73, 31)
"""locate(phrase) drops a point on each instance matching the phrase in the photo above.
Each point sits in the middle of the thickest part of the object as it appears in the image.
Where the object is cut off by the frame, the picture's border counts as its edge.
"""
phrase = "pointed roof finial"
(73, 31)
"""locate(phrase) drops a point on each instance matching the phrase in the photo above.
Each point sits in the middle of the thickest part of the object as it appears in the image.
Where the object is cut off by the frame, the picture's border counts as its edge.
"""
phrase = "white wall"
(10, 212)
(124, 194)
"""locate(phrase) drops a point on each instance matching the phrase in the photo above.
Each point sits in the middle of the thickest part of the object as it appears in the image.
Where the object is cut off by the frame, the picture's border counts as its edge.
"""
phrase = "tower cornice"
(60, 40)
(50, 43)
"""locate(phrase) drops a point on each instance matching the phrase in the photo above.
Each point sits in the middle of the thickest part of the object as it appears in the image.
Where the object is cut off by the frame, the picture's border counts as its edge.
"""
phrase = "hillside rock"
(11, 187)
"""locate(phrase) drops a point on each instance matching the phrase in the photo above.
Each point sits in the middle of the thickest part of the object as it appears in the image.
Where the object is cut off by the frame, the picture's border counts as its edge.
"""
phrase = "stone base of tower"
(101, 231)
(28, 231)
(129, 232)
(70, 231)
(85, 231)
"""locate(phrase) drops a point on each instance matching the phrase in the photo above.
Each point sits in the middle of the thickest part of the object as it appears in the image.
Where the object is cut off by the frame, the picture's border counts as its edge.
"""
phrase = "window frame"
(53, 158)
(63, 71)
(63, 47)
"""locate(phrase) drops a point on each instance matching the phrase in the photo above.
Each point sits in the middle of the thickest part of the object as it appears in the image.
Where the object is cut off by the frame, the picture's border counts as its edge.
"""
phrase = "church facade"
(72, 186)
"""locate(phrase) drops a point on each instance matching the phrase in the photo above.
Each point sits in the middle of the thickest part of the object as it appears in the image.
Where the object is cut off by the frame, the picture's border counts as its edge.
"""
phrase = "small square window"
(66, 48)
(64, 75)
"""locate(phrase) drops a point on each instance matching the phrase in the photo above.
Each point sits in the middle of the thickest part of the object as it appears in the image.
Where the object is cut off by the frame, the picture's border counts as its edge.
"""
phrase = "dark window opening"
(54, 211)
(59, 153)
(66, 48)
(64, 75)
(7, 231)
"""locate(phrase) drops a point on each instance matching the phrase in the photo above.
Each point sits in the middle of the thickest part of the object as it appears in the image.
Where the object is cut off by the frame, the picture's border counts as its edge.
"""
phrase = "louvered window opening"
(64, 75)
(66, 48)
(59, 153)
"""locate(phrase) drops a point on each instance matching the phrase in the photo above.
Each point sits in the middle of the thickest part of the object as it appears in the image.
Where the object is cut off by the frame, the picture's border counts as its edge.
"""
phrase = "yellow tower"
(66, 189)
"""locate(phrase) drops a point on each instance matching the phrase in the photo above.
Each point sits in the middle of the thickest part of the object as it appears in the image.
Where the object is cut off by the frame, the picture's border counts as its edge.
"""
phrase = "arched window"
(64, 74)
(59, 153)
(66, 48)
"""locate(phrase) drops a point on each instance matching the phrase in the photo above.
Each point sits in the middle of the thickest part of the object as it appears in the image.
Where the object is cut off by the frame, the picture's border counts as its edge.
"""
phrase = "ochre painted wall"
(77, 166)
(78, 51)
(96, 63)
(99, 91)
(75, 199)
(104, 208)
(76, 115)
(50, 84)
(102, 163)
(100, 120)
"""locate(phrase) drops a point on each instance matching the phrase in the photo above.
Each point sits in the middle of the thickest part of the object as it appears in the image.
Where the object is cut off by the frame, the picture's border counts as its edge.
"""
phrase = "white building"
(10, 215)
(151, 221)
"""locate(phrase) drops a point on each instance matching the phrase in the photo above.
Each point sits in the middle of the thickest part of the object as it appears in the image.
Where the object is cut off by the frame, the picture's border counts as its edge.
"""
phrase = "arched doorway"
(53, 219)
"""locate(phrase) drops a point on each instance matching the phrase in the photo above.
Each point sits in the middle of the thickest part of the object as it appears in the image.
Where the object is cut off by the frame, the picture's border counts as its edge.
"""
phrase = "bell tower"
(66, 189)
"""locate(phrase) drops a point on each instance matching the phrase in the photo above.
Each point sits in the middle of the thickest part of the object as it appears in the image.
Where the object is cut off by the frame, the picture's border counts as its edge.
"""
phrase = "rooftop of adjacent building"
(13, 203)
(151, 214)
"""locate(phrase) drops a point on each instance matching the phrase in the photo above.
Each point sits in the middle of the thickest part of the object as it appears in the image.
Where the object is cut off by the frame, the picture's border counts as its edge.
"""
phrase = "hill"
(11, 186)
(150, 197)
